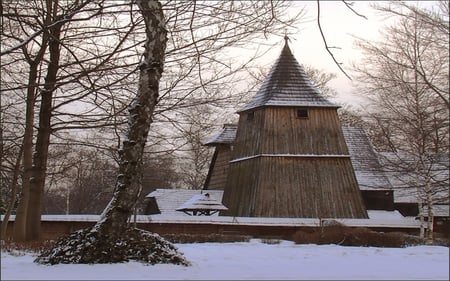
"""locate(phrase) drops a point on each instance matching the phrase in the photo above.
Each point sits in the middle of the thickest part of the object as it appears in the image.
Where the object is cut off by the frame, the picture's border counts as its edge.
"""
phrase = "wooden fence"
(57, 226)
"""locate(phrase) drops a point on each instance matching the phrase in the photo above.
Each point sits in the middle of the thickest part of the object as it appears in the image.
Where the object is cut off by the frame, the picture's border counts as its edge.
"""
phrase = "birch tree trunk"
(114, 218)
(111, 239)
(430, 221)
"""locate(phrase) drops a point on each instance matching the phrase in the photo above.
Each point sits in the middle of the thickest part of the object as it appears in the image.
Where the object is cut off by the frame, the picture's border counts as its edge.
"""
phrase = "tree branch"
(326, 44)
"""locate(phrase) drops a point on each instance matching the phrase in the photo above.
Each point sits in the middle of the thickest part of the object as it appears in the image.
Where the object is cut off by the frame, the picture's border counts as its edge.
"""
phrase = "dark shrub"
(355, 236)
(202, 238)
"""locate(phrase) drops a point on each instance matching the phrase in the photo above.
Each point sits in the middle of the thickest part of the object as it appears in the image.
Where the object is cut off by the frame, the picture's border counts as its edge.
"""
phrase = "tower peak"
(286, 39)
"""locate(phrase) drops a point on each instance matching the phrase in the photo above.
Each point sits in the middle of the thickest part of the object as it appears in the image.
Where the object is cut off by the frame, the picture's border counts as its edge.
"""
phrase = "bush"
(21, 248)
(359, 236)
(203, 238)
(88, 246)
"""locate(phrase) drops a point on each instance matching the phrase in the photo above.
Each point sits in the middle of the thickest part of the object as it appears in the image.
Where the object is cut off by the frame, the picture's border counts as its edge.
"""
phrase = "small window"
(250, 116)
(302, 113)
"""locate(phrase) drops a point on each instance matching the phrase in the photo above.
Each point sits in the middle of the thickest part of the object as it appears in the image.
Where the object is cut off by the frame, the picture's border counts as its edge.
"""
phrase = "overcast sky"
(339, 25)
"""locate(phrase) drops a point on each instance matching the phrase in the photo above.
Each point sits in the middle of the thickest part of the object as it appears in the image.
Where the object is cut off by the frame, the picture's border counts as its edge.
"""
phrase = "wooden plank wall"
(219, 169)
(292, 186)
(279, 130)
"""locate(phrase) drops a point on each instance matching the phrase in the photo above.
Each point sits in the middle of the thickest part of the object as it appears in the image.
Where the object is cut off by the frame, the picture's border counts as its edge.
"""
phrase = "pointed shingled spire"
(288, 85)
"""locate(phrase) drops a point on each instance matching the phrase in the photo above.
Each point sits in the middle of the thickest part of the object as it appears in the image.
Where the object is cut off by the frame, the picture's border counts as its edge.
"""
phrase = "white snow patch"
(254, 260)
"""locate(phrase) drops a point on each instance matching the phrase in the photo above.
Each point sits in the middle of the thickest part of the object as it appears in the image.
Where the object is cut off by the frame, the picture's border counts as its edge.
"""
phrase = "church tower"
(289, 157)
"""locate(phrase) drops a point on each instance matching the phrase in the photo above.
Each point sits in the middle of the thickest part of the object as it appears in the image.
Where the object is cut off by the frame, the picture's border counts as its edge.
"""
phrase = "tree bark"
(21, 219)
(12, 201)
(19, 231)
(39, 169)
(114, 218)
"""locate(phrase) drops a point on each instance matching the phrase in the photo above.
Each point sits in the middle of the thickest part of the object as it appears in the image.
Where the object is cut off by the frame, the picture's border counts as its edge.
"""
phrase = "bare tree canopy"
(405, 75)
(73, 65)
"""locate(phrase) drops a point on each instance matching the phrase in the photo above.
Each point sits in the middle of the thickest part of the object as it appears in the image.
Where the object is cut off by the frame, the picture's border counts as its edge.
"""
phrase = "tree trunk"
(12, 200)
(114, 218)
(38, 172)
(21, 220)
(19, 231)
(111, 239)
(430, 221)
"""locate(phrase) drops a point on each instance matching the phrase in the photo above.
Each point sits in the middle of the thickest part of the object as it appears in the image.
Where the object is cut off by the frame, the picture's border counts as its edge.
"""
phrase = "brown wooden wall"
(279, 130)
(293, 187)
(297, 167)
(217, 176)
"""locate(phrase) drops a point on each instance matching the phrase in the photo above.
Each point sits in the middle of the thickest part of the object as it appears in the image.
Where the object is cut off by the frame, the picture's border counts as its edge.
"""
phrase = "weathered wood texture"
(279, 130)
(217, 176)
(293, 187)
(296, 167)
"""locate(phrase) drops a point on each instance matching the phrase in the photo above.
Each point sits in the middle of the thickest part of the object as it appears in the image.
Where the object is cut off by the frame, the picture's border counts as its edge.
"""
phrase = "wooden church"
(287, 156)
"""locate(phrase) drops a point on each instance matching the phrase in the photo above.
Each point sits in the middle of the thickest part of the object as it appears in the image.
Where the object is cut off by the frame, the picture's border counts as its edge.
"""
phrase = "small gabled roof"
(202, 201)
(169, 200)
(288, 85)
(226, 136)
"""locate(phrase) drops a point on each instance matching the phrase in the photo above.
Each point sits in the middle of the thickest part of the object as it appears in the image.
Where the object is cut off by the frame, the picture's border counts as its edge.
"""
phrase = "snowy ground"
(255, 260)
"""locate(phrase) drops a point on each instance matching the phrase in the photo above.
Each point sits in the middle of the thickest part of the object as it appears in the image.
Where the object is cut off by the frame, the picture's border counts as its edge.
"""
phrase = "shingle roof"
(288, 85)
(171, 199)
(226, 136)
(365, 161)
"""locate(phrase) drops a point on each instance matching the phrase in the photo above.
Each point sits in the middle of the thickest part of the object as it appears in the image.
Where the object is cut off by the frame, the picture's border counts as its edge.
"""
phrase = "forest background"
(69, 70)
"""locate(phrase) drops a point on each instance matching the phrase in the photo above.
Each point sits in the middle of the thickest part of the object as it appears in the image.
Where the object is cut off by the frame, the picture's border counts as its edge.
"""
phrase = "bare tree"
(436, 22)
(194, 126)
(39, 47)
(113, 225)
(403, 75)
(111, 239)
(88, 87)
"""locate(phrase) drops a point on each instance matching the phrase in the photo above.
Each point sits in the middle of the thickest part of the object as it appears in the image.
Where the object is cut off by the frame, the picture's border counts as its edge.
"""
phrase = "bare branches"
(406, 75)
(350, 6)
(328, 48)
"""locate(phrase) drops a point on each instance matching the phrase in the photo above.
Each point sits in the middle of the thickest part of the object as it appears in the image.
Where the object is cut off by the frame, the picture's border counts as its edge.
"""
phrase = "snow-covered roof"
(168, 214)
(400, 170)
(203, 201)
(226, 136)
(368, 169)
(376, 218)
(288, 85)
(438, 210)
(169, 200)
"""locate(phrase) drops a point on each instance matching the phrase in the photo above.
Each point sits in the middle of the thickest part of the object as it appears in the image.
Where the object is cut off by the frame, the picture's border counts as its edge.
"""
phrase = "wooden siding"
(217, 176)
(285, 166)
(278, 130)
(293, 187)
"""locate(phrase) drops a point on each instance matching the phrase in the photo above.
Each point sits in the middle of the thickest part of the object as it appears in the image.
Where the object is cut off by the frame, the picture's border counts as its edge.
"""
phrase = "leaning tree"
(111, 239)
